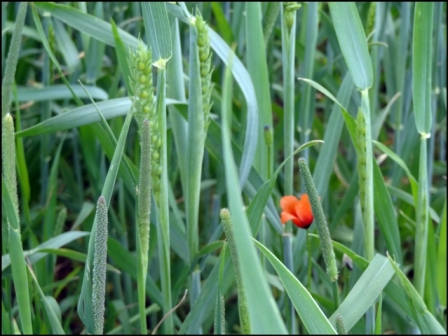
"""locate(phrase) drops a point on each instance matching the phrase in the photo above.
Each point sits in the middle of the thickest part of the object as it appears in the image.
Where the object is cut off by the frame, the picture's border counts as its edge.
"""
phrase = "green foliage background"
(65, 149)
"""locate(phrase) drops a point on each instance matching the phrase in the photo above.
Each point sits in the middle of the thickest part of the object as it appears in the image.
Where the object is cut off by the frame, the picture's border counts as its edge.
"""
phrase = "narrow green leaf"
(422, 222)
(224, 28)
(19, 275)
(353, 43)
(122, 56)
(67, 46)
(441, 260)
(87, 24)
(264, 314)
(52, 317)
(421, 66)
(157, 32)
(385, 214)
(402, 164)
(176, 90)
(328, 152)
(56, 242)
(57, 92)
(257, 67)
(427, 323)
(81, 116)
(369, 286)
(311, 315)
(46, 44)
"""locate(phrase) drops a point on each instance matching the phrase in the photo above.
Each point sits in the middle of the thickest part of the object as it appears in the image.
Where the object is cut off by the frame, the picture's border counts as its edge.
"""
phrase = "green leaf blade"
(353, 42)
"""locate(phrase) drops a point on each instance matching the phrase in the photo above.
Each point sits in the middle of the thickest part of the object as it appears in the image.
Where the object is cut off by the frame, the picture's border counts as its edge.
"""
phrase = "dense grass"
(228, 100)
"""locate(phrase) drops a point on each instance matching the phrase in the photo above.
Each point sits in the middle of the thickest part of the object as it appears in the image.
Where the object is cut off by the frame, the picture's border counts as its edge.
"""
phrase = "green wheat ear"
(99, 267)
(205, 59)
(290, 11)
(242, 302)
(140, 65)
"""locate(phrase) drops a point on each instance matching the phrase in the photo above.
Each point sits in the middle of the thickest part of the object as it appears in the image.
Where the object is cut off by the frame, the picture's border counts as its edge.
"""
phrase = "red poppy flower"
(297, 210)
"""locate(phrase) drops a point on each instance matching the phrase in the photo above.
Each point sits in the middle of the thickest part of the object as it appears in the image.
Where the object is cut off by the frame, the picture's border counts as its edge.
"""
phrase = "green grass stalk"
(258, 70)
(288, 20)
(308, 37)
(421, 93)
(288, 261)
(268, 140)
(220, 322)
(378, 322)
(335, 294)
(162, 200)
(288, 56)
(309, 263)
(367, 201)
(421, 227)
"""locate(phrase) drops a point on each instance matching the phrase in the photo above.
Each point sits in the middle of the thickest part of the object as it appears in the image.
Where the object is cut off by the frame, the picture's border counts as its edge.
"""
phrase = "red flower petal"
(286, 217)
(298, 211)
(288, 203)
(304, 212)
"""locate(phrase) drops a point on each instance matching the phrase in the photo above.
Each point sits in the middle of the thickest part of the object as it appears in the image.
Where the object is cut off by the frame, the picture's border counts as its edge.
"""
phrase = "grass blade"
(421, 66)
(312, 317)
(369, 286)
(264, 314)
(18, 266)
(352, 39)
(157, 31)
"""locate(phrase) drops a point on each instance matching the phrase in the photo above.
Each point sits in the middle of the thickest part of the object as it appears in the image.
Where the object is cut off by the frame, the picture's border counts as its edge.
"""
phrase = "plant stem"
(164, 245)
(368, 214)
(421, 228)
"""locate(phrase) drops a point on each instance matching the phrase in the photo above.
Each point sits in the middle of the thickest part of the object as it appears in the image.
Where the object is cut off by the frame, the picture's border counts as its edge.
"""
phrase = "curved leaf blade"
(353, 42)
(311, 315)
